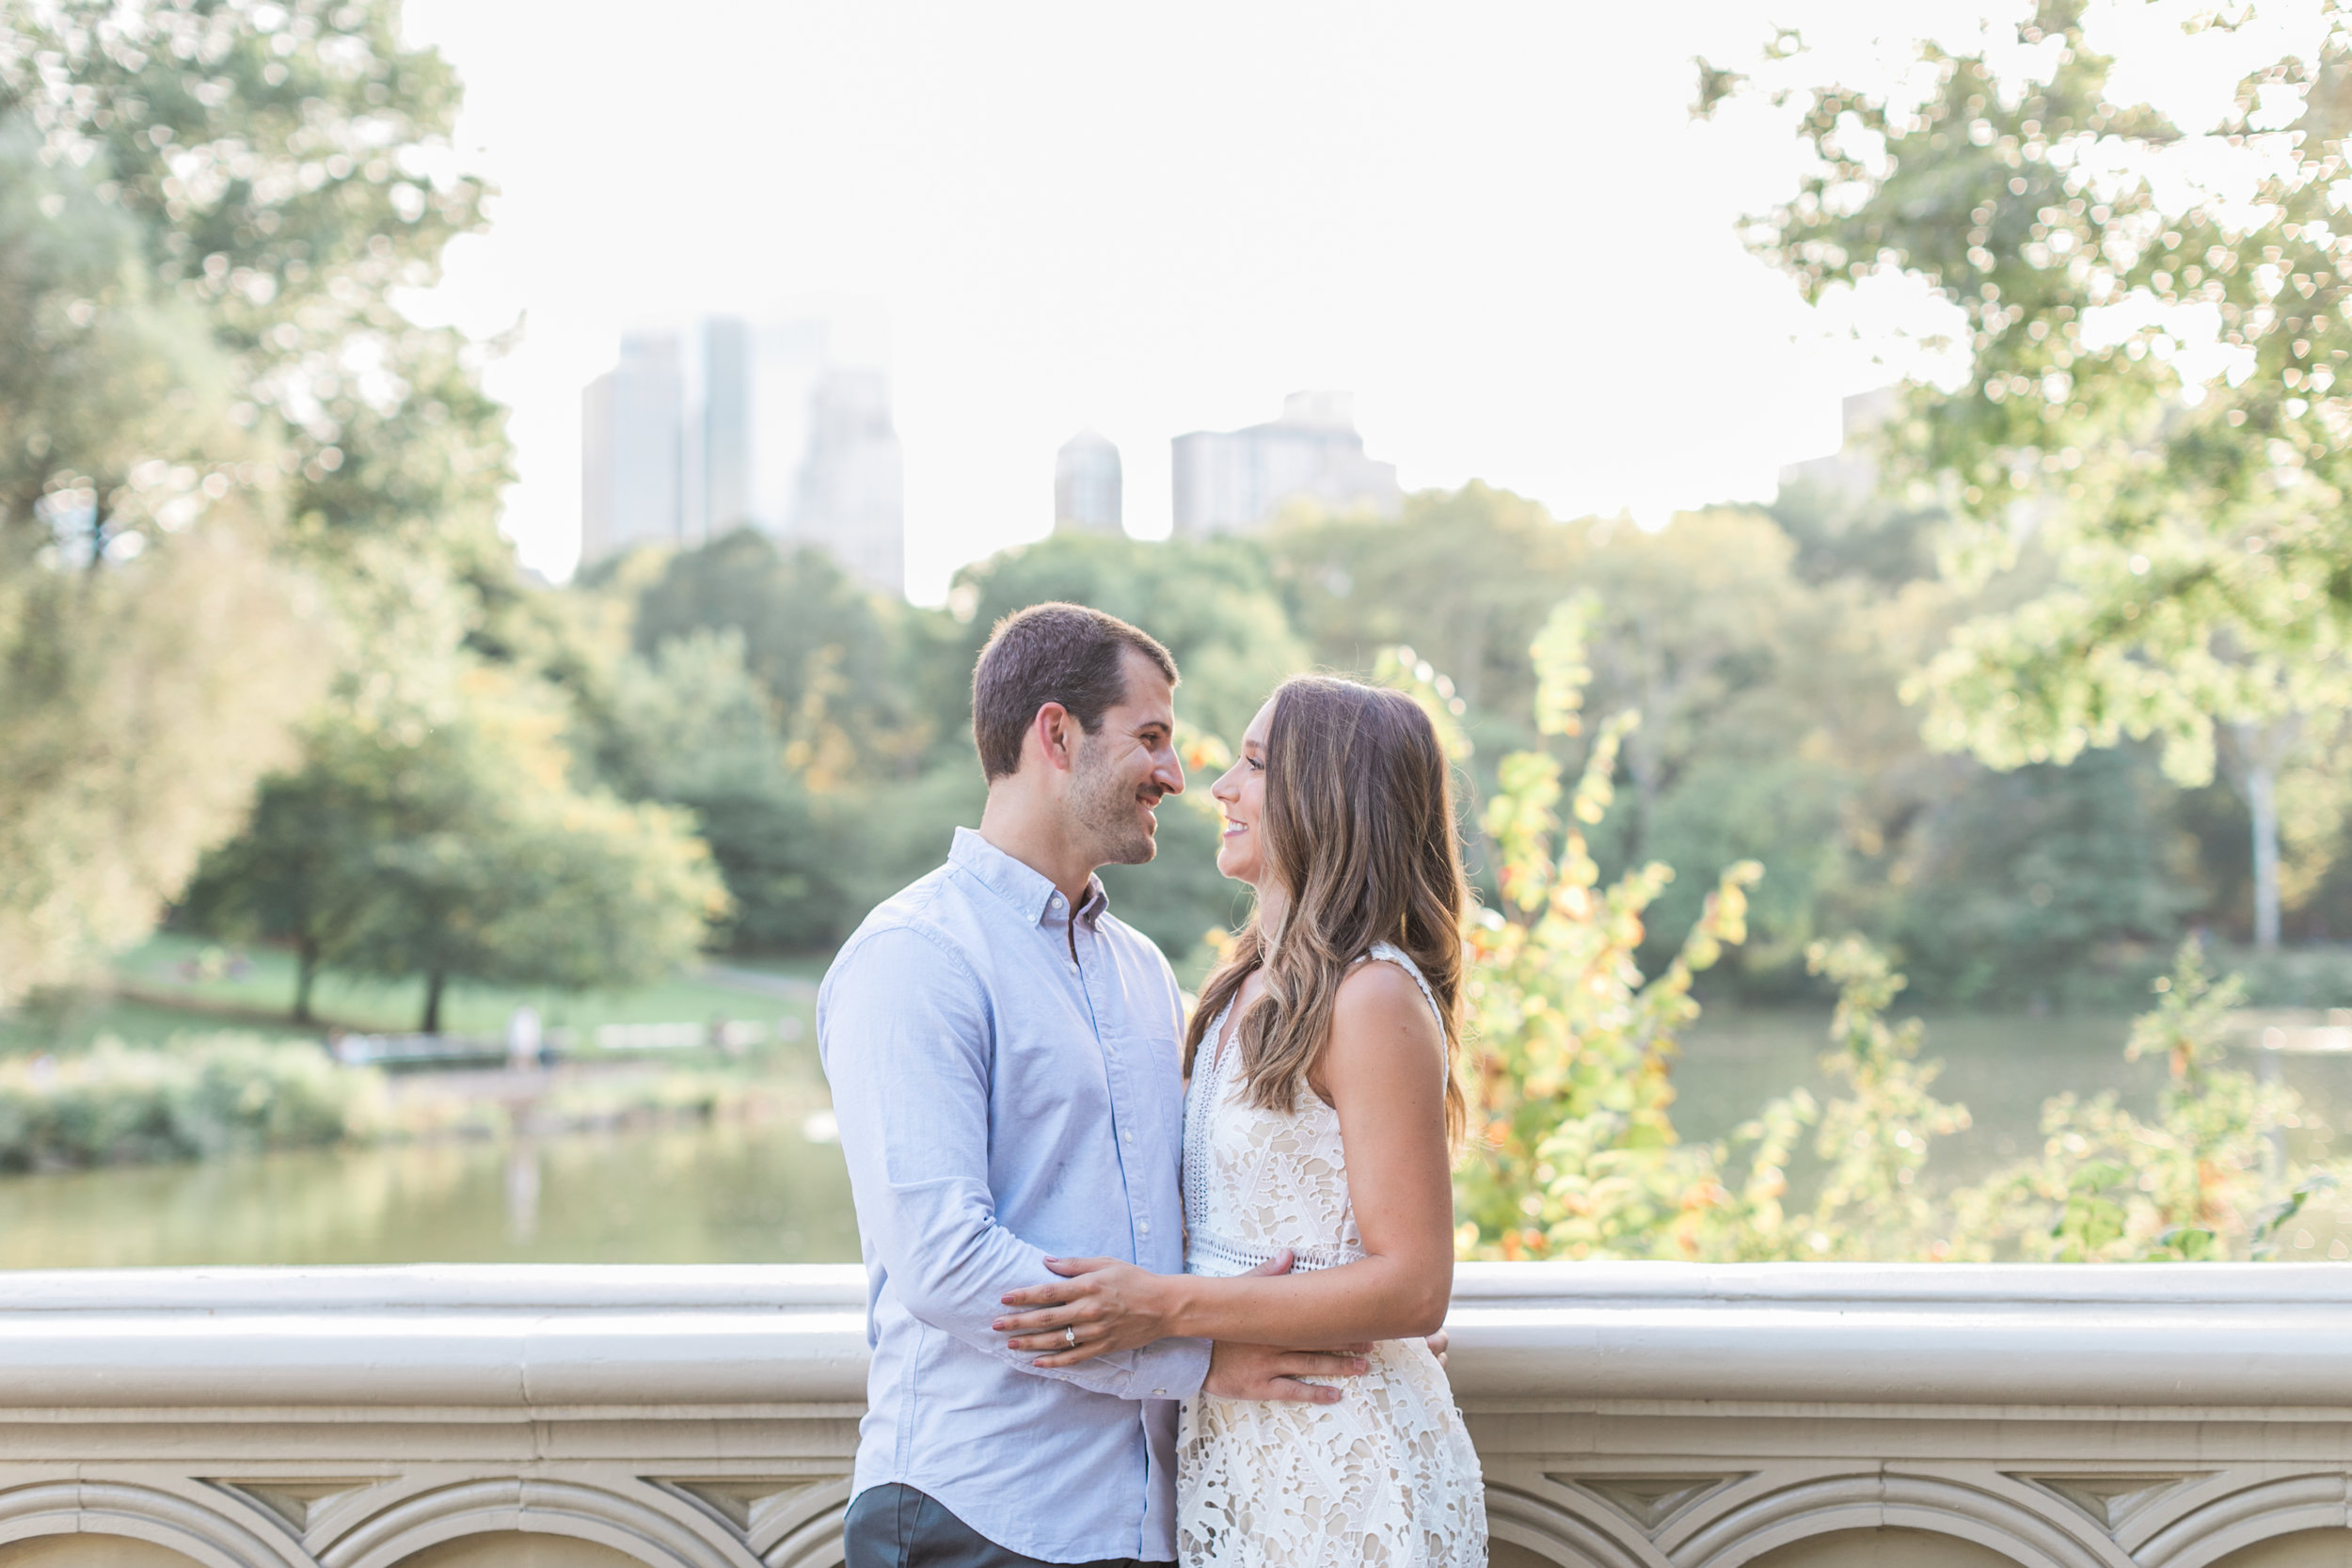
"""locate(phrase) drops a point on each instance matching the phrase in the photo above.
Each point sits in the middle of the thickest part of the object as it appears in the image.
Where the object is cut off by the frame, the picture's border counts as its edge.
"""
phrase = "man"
(1004, 1057)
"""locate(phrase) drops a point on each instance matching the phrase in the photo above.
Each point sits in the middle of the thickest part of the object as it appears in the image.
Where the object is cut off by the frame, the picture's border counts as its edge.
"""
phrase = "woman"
(1320, 1109)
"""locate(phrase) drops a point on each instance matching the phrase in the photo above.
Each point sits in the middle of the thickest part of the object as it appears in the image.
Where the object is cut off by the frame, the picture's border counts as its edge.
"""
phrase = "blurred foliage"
(203, 1096)
(1767, 672)
(445, 840)
(822, 647)
(1576, 1154)
(246, 523)
(246, 533)
(286, 169)
(2148, 427)
(219, 1094)
(1569, 1086)
(150, 653)
(2208, 1179)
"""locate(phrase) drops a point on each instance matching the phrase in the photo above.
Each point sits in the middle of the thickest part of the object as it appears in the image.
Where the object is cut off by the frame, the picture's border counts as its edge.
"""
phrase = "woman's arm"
(1383, 1071)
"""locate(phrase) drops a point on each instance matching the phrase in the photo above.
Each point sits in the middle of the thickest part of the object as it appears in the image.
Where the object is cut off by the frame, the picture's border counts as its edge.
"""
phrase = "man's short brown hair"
(1051, 652)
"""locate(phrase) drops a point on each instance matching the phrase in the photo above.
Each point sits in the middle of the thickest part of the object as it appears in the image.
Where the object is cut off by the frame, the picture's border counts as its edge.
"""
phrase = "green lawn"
(174, 985)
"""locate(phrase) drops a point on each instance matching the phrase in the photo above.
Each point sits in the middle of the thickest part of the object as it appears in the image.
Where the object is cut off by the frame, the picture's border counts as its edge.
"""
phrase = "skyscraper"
(852, 492)
(736, 423)
(1236, 482)
(632, 449)
(725, 497)
(1087, 484)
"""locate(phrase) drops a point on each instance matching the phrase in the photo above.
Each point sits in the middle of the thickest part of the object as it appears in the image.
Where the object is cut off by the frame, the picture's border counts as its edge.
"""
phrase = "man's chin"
(1136, 849)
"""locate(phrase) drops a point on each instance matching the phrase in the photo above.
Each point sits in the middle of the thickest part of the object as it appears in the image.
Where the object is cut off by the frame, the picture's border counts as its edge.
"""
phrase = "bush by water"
(216, 1095)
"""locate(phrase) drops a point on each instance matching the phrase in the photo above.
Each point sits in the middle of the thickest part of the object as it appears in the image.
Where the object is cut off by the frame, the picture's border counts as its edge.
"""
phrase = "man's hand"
(1239, 1371)
(1438, 1344)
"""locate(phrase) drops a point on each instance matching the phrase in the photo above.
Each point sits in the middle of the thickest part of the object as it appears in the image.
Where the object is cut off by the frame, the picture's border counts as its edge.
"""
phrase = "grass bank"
(174, 985)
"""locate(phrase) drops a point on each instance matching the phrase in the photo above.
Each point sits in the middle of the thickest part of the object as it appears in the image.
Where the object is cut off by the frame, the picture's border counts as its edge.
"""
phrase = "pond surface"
(728, 1192)
(774, 1191)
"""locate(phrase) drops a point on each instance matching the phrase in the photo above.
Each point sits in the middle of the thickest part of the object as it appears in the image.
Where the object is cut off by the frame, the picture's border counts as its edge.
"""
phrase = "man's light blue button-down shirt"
(1007, 1076)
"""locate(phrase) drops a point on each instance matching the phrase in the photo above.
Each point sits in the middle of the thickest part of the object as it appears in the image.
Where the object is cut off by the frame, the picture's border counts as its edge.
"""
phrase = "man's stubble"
(1104, 806)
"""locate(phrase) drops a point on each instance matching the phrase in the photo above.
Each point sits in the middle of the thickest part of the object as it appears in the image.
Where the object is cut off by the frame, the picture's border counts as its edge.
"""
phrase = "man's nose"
(1170, 774)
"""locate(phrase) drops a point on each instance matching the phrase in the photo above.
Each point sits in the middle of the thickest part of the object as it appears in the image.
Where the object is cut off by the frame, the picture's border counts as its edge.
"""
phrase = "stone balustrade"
(1628, 1415)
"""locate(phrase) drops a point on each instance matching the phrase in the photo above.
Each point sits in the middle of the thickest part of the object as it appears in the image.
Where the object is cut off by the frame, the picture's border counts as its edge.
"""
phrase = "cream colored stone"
(1626, 1416)
(89, 1551)
(2318, 1549)
(514, 1549)
(1882, 1548)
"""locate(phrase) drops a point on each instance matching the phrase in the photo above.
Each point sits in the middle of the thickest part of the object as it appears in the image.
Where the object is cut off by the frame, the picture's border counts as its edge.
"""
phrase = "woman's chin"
(1230, 863)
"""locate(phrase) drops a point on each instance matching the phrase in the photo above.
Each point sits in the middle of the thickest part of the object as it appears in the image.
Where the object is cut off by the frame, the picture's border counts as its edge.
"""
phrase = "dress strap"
(1388, 952)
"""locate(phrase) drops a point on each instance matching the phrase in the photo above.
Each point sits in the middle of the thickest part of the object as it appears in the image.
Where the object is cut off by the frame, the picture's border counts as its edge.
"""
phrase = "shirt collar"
(1023, 887)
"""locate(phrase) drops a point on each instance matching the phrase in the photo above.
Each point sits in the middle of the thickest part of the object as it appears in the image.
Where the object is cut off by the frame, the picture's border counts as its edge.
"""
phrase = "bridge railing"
(1626, 1414)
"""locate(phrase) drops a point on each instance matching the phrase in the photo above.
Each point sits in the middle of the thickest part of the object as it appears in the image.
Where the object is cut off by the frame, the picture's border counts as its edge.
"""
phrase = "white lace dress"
(1388, 1474)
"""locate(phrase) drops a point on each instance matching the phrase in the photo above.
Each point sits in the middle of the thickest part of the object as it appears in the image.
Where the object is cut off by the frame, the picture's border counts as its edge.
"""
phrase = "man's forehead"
(1148, 697)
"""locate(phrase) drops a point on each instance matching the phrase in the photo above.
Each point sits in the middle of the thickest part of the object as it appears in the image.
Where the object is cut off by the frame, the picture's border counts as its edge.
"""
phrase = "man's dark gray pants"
(893, 1526)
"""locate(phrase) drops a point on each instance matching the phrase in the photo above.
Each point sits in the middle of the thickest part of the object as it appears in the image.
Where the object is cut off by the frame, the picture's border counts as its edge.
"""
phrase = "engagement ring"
(1070, 1336)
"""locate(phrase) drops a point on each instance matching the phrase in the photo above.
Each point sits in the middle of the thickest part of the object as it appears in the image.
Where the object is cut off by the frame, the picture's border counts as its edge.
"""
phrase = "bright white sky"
(1494, 223)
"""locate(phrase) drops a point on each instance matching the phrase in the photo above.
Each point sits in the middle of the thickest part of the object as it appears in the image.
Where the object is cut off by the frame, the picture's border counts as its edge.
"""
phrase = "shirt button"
(1126, 1137)
(1143, 1226)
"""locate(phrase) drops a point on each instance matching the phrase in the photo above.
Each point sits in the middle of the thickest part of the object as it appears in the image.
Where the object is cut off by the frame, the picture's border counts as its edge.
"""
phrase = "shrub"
(199, 1097)
(1575, 1152)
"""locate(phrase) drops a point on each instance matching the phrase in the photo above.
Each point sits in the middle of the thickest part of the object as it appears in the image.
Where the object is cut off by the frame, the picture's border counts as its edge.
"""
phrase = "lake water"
(774, 1191)
(729, 1192)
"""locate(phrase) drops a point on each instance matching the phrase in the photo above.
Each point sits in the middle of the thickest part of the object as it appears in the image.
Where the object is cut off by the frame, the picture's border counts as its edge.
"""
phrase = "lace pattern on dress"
(1388, 1474)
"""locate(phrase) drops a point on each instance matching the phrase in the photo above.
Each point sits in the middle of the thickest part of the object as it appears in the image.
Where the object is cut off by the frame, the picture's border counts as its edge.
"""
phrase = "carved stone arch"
(141, 1513)
(809, 1536)
(627, 1524)
(1873, 1499)
(1556, 1534)
(2252, 1514)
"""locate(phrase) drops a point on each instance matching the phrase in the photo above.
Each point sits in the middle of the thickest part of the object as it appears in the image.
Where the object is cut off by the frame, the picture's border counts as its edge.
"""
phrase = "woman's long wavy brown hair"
(1360, 832)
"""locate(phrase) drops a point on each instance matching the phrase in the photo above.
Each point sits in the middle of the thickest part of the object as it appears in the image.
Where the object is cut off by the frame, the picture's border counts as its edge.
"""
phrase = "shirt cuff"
(1169, 1369)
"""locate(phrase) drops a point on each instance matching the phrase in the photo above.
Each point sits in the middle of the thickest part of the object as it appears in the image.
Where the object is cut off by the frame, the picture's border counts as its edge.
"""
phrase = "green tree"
(443, 824)
(2151, 401)
(2053, 881)
(286, 169)
(302, 871)
(1466, 578)
(151, 657)
(486, 865)
(689, 725)
(821, 645)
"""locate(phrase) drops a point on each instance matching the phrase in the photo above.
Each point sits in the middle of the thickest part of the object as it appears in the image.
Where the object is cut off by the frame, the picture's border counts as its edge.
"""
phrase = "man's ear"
(1056, 730)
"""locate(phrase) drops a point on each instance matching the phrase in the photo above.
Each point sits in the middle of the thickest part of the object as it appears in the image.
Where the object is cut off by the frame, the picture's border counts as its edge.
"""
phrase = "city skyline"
(1421, 218)
(1503, 231)
(1238, 480)
(726, 422)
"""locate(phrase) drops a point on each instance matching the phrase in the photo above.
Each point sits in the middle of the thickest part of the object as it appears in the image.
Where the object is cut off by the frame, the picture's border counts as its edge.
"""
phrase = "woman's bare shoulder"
(1380, 1001)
